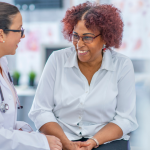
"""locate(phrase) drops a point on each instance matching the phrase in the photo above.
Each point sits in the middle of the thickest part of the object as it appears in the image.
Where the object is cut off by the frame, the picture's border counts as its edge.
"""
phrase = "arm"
(20, 140)
(41, 112)
(109, 132)
(125, 119)
(53, 128)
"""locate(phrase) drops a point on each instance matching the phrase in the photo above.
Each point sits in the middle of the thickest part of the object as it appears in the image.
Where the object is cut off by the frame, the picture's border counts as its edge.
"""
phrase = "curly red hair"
(105, 18)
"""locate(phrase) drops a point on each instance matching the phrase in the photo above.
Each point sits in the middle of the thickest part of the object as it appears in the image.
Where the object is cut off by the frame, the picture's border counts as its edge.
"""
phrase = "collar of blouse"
(107, 62)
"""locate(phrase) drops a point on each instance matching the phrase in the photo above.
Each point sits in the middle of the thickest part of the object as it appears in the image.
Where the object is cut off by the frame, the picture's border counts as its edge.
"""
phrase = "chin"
(81, 59)
(13, 53)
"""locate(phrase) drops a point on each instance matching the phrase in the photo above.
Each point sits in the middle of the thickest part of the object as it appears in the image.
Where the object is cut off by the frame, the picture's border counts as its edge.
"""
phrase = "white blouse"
(64, 95)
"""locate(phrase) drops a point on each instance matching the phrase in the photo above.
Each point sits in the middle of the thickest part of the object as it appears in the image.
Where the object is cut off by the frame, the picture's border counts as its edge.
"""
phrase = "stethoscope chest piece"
(4, 107)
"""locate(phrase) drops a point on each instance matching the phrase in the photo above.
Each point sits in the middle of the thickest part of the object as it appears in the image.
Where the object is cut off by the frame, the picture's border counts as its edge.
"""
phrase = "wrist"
(92, 143)
(66, 144)
(95, 142)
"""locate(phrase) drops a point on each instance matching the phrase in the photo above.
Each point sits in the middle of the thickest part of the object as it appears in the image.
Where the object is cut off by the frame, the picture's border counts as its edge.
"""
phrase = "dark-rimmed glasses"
(85, 39)
(22, 31)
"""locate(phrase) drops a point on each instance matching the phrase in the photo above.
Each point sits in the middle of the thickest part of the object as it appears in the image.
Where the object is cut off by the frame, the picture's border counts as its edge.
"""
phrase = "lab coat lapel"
(3, 64)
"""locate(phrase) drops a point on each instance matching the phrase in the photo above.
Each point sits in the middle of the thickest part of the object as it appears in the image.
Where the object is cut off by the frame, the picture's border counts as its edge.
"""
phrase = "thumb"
(83, 144)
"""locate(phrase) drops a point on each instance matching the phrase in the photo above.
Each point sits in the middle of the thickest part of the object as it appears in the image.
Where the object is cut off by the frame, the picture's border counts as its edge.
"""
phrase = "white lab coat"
(11, 138)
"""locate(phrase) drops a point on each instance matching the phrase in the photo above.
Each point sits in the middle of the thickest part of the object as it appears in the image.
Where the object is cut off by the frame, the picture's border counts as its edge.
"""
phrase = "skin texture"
(12, 38)
(88, 64)
(53, 128)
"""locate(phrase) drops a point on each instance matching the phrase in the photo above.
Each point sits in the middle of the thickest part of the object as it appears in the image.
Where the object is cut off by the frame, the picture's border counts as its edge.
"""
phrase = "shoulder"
(60, 57)
(120, 60)
(63, 53)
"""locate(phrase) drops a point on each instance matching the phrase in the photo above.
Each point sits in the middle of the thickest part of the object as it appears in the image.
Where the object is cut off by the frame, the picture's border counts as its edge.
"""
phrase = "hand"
(54, 142)
(92, 144)
(75, 145)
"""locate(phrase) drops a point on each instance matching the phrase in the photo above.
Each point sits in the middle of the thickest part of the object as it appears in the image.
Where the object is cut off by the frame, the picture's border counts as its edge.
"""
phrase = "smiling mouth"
(82, 52)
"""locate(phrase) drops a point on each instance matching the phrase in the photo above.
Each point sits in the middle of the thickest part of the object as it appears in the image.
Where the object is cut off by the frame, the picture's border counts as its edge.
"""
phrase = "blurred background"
(42, 24)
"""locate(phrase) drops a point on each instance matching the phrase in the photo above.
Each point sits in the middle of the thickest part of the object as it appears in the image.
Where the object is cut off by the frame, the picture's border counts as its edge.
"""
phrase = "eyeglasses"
(85, 39)
(22, 31)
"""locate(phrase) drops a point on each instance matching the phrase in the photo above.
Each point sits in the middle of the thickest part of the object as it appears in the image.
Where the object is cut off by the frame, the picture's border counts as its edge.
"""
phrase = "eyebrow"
(84, 33)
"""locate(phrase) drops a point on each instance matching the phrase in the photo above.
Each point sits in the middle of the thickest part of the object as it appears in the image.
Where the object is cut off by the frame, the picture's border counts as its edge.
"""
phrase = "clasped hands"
(86, 145)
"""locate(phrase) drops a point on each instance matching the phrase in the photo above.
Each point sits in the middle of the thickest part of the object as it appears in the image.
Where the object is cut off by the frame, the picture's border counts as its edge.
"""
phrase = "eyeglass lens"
(86, 39)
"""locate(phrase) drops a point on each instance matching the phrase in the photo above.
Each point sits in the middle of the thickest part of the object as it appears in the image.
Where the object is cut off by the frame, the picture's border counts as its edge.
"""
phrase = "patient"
(87, 92)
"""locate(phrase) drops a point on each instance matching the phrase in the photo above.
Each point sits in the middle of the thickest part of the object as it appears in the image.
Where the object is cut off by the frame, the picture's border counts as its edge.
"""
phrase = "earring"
(3, 41)
(104, 47)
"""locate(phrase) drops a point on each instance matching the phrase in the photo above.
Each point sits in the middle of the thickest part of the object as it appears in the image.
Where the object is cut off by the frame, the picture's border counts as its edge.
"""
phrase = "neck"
(1, 51)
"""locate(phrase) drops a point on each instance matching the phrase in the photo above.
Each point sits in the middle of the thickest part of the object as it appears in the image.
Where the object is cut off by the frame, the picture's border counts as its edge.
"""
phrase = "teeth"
(82, 51)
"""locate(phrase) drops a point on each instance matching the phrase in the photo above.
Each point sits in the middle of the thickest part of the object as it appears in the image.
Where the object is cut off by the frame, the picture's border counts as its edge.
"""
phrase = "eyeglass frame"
(84, 36)
(22, 31)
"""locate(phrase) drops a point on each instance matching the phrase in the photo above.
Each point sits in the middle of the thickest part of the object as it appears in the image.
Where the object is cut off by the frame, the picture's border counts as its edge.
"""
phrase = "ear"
(1, 36)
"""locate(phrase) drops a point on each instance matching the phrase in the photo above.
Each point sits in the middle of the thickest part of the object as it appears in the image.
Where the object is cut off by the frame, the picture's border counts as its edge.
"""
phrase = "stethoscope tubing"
(1, 93)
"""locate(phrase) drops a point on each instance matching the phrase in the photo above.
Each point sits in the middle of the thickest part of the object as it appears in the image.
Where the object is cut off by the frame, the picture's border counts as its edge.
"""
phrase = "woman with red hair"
(87, 92)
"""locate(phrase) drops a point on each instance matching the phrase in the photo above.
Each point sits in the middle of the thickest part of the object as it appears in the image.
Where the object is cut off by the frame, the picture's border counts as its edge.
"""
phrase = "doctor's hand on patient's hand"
(92, 144)
(54, 142)
(89, 147)
(76, 145)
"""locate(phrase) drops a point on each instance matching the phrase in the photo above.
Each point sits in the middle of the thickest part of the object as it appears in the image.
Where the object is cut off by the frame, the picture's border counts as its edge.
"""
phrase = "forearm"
(108, 133)
(53, 128)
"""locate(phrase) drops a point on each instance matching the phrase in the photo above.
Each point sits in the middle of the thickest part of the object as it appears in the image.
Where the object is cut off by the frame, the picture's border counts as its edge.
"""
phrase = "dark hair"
(105, 18)
(7, 11)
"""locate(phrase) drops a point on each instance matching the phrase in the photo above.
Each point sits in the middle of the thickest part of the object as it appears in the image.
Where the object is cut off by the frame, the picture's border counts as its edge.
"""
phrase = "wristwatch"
(97, 143)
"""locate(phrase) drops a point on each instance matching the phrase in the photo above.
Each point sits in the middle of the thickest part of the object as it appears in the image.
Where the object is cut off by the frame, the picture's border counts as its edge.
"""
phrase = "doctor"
(15, 135)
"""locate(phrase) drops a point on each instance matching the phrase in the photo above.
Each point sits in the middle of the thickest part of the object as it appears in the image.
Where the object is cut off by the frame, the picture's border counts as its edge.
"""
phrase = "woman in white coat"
(14, 134)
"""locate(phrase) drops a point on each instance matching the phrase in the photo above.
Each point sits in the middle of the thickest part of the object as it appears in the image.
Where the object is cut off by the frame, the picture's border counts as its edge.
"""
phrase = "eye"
(75, 36)
(87, 38)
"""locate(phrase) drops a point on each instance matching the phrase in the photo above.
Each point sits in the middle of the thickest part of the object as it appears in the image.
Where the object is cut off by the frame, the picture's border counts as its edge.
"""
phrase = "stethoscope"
(4, 106)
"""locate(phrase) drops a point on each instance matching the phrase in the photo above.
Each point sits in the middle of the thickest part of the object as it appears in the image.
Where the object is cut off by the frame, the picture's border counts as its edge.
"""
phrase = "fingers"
(59, 144)
(84, 148)
(57, 147)
(84, 144)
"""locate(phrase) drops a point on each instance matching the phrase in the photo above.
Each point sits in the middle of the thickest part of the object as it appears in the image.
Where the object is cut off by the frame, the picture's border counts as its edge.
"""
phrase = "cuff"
(45, 141)
(43, 119)
(24, 126)
(126, 125)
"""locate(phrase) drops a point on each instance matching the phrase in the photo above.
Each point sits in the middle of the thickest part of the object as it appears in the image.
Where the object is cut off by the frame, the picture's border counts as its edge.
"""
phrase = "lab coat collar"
(107, 62)
(3, 61)
(3, 64)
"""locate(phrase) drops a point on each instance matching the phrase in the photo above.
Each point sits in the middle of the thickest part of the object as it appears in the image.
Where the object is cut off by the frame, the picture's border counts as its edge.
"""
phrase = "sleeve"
(23, 125)
(125, 116)
(20, 140)
(42, 108)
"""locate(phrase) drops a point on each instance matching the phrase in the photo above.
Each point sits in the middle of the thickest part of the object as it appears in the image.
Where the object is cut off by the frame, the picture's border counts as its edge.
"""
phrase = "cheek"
(74, 43)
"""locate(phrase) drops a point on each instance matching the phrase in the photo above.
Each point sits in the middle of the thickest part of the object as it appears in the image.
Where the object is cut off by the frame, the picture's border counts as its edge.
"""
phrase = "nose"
(23, 36)
(80, 43)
